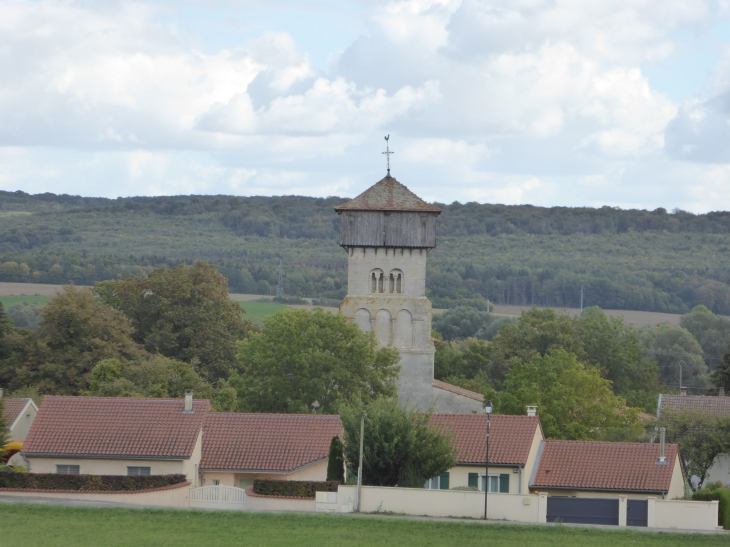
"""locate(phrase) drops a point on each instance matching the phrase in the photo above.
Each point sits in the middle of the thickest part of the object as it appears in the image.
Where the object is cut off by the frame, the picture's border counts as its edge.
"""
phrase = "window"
(216, 482)
(497, 483)
(377, 281)
(438, 483)
(68, 469)
(474, 480)
(395, 282)
(135, 471)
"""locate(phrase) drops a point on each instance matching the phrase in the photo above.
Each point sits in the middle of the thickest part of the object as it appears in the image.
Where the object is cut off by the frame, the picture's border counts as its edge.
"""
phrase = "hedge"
(294, 489)
(723, 496)
(86, 483)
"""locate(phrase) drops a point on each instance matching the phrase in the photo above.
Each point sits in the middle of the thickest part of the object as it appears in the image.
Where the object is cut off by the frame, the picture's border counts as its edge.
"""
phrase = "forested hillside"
(625, 259)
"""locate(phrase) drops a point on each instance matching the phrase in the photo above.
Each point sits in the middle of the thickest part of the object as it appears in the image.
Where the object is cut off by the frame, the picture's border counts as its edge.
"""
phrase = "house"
(719, 406)
(513, 446)
(238, 448)
(594, 469)
(19, 415)
(117, 436)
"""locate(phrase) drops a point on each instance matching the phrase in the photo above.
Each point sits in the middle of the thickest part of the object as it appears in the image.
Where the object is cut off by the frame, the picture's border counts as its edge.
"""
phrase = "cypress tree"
(336, 463)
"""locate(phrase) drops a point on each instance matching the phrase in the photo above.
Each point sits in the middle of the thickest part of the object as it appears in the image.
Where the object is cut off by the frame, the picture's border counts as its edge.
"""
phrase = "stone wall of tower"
(398, 313)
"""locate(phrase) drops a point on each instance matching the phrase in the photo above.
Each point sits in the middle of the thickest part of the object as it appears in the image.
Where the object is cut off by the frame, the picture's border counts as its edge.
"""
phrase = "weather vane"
(388, 152)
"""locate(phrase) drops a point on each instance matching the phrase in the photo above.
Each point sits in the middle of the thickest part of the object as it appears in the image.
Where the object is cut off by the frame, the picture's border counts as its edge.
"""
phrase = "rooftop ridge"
(387, 195)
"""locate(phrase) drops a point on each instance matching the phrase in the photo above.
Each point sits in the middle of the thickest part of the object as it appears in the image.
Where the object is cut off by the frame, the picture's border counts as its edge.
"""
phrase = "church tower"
(388, 232)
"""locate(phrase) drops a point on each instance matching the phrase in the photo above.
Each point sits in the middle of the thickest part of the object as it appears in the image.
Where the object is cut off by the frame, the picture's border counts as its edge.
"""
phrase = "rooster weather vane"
(388, 152)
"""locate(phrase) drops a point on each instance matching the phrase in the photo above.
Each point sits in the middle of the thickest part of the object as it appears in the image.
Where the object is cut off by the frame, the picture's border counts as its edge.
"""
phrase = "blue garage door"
(582, 510)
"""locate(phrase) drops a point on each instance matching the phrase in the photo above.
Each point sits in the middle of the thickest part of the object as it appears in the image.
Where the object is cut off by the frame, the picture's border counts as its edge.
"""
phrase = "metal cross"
(388, 152)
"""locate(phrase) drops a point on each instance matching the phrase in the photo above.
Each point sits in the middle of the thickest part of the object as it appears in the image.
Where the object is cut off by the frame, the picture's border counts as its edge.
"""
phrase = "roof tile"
(266, 442)
(510, 437)
(13, 408)
(115, 426)
(604, 466)
(714, 405)
(387, 195)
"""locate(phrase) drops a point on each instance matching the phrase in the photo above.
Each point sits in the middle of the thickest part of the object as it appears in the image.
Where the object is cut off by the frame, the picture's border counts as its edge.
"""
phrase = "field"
(13, 293)
(12, 300)
(23, 525)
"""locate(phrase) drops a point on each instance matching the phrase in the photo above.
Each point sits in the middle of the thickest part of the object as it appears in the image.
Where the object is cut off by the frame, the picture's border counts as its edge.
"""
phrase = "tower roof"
(387, 195)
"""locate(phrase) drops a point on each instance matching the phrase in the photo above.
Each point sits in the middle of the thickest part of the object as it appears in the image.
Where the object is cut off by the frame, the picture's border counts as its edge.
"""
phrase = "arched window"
(395, 282)
(377, 281)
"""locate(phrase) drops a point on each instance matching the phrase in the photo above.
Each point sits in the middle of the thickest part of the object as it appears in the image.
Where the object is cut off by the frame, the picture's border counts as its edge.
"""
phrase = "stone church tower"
(388, 232)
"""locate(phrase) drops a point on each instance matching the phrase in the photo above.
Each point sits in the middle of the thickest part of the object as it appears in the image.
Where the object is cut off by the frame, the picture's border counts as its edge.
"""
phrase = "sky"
(624, 103)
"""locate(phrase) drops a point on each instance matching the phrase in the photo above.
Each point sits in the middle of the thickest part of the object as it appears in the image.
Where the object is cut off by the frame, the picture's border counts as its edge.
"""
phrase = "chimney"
(662, 436)
(532, 411)
(682, 391)
(721, 393)
(188, 401)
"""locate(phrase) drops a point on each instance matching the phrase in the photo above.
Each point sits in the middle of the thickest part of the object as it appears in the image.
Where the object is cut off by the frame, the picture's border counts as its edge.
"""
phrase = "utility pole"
(359, 466)
(280, 286)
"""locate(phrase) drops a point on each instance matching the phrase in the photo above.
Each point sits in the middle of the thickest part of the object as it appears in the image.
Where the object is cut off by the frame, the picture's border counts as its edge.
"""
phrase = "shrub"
(720, 494)
(327, 302)
(336, 462)
(292, 300)
(294, 489)
(88, 483)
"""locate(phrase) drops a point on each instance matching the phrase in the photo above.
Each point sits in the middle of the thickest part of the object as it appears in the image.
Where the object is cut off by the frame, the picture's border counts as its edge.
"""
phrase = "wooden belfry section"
(388, 232)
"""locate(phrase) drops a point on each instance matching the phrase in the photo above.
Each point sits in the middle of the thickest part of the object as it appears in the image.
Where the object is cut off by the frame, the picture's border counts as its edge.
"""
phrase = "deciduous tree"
(400, 446)
(336, 461)
(574, 402)
(304, 361)
(183, 313)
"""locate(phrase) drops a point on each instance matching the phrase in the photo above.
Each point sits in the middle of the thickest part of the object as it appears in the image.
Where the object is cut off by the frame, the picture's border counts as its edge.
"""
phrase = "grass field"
(12, 300)
(256, 311)
(25, 525)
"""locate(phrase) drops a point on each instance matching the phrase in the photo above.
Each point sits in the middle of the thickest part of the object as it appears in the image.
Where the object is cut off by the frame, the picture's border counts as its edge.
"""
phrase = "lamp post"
(488, 412)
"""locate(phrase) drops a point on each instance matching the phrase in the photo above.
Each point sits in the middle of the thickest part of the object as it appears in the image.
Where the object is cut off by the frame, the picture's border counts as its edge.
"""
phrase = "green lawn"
(12, 300)
(256, 311)
(24, 525)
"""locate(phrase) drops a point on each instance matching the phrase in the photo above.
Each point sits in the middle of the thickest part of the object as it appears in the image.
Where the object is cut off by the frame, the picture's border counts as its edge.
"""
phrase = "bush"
(294, 489)
(720, 494)
(327, 302)
(292, 300)
(88, 483)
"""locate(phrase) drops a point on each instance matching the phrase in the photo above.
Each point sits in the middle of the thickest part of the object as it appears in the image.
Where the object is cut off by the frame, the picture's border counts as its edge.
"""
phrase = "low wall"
(257, 502)
(443, 503)
(684, 515)
(176, 495)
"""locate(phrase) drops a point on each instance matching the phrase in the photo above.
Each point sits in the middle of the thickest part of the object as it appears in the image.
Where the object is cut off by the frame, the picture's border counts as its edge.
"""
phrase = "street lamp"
(488, 412)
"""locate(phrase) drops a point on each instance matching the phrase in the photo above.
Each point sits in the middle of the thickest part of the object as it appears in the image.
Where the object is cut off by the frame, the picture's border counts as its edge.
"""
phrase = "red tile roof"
(266, 442)
(387, 195)
(438, 384)
(510, 437)
(604, 466)
(115, 426)
(13, 408)
(713, 405)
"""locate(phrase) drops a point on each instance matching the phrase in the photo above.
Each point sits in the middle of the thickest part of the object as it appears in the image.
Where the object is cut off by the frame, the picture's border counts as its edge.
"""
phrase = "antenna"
(388, 152)
(280, 286)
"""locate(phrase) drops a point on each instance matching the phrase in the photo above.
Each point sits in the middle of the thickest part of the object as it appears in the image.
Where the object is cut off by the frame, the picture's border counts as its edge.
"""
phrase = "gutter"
(618, 491)
(104, 457)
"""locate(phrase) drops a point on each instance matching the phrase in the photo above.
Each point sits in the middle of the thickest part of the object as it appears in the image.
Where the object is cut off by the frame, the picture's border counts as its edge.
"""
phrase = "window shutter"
(444, 483)
(474, 480)
(504, 483)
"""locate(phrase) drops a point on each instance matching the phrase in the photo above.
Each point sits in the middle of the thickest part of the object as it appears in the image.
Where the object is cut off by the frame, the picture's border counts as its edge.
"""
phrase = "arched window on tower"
(377, 281)
(396, 282)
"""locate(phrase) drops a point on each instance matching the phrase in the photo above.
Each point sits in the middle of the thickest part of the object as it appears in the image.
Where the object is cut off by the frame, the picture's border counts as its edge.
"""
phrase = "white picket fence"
(218, 497)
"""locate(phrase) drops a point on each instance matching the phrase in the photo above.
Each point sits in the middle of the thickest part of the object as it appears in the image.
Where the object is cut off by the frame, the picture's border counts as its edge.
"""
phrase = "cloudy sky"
(549, 102)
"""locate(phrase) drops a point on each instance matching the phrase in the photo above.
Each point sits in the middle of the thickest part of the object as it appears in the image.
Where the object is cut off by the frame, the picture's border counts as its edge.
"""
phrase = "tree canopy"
(670, 344)
(400, 446)
(573, 401)
(467, 322)
(305, 361)
(183, 313)
(77, 330)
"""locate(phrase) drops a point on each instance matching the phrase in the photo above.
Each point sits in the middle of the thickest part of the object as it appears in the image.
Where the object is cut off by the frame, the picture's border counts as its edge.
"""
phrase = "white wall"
(94, 466)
